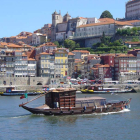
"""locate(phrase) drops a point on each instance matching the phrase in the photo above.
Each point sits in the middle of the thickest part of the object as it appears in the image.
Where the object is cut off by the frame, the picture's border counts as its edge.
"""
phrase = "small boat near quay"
(99, 89)
(64, 102)
(12, 91)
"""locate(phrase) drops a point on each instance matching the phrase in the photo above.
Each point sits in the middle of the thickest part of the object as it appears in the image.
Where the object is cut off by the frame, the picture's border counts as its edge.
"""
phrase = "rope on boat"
(33, 99)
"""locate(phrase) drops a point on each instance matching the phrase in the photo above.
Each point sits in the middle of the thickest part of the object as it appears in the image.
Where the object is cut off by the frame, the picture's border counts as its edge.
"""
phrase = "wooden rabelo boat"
(64, 102)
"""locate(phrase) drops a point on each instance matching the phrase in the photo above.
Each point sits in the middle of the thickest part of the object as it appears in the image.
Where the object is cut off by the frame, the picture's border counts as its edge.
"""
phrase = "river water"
(18, 124)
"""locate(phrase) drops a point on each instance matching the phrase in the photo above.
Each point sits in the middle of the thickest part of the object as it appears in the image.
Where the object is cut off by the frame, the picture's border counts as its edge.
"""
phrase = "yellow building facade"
(61, 63)
(44, 64)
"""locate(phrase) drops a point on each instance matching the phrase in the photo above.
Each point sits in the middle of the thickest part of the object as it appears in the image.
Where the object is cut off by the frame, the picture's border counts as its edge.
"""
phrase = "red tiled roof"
(105, 22)
(47, 44)
(132, 42)
(70, 53)
(104, 66)
(31, 59)
(94, 68)
(44, 53)
(126, 55)
(78, 60)
(82, 51)
(133, 21)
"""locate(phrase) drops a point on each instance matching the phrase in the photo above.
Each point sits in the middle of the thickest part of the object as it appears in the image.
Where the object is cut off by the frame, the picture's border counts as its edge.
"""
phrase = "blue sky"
(28, 15)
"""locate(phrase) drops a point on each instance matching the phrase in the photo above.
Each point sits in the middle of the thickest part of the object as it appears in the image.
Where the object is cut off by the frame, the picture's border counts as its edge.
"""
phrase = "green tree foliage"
(103, 39)
(106, 14)
(71, 44)
(127, 32)
(117, 43)
(56, 43)
(134, 30)
(135, 40)
(106, 46)
(77, 45)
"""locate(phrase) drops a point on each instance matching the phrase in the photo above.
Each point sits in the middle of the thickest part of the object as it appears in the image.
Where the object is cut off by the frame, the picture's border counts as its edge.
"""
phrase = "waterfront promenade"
(78, 87)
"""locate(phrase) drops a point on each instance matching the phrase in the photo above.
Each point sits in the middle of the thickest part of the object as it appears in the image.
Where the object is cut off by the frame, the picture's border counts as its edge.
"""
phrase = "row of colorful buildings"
(21, 60)
(109, 67)
(46, 60)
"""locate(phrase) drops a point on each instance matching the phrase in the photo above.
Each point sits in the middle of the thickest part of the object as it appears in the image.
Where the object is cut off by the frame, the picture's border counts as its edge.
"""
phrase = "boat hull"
(106, 92)
(80, 110)
(18, 94)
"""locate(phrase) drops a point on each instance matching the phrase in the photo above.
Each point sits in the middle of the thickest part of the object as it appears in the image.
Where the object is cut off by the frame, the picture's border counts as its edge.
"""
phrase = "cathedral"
(64, 27)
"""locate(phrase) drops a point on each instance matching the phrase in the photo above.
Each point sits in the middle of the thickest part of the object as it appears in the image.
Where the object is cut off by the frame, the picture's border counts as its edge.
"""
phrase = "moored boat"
(64, 102)
(12, 91)
(99, 89)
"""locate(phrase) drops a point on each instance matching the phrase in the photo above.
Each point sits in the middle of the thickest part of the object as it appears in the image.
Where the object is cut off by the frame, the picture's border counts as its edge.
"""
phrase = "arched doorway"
(39, 83)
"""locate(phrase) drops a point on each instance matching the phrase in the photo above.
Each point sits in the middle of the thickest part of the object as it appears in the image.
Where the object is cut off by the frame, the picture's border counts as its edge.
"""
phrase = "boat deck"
(43, 107)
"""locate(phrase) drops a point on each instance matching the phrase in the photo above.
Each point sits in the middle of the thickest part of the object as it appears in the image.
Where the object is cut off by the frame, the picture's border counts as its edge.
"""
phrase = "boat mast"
(32, 100)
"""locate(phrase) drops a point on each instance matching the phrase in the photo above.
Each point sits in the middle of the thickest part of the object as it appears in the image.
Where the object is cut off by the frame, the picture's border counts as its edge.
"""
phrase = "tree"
(134, 30)
(119, 32)
(117, 43)
(135, 40)
(56, 43)
(112, 51)
(69, 44)
(106, 14)
(77, 45)
(103, 40)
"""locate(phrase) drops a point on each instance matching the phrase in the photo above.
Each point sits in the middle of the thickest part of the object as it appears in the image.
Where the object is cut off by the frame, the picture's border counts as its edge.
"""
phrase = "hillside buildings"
(17, 60)
(132, 10)
(87, 30)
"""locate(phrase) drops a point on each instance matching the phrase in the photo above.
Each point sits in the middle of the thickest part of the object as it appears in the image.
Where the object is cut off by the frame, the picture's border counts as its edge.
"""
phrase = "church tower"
(56, 18)
(66, 17)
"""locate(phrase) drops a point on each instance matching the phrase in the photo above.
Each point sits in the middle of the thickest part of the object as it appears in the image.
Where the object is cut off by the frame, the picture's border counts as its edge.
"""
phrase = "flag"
(24, 96)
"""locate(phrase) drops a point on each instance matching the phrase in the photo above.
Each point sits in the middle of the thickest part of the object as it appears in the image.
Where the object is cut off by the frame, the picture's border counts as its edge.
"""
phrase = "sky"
(29, 15)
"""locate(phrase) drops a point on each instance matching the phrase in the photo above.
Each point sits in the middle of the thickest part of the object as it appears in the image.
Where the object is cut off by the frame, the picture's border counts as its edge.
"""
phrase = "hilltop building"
(132, 10)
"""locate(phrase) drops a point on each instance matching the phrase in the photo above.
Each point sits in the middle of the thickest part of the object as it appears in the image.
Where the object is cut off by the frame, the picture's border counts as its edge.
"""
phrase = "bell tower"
(66, 17)
(56, 18)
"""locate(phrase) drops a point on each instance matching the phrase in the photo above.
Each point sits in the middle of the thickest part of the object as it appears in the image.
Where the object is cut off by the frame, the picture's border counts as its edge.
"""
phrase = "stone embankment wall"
(24, 81)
